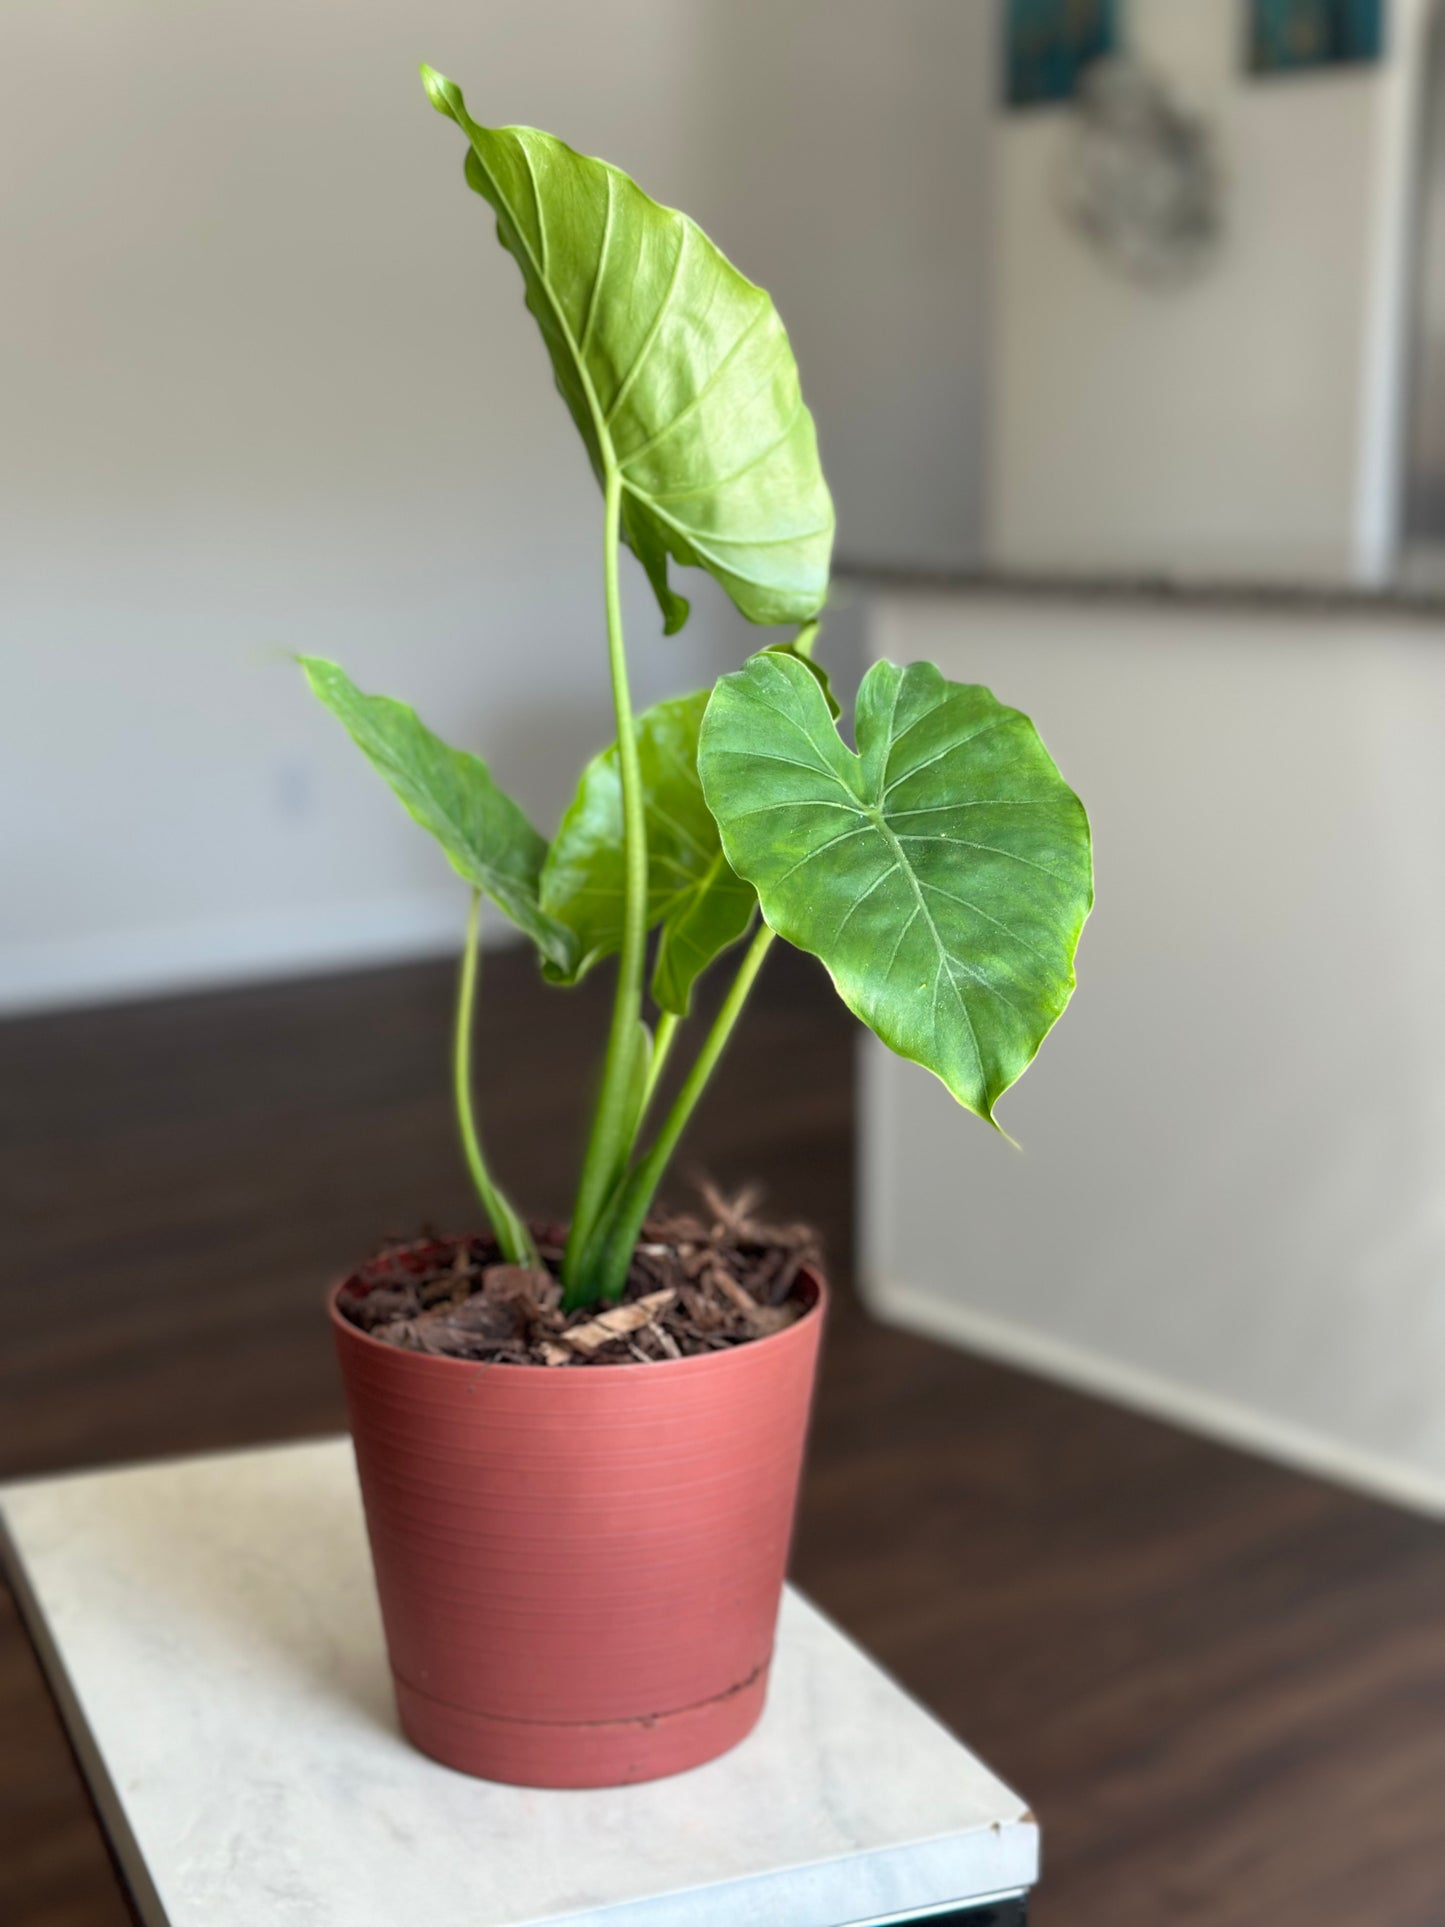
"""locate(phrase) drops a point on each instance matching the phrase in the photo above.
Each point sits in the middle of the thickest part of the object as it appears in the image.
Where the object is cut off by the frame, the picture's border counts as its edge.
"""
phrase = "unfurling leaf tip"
(444, 94)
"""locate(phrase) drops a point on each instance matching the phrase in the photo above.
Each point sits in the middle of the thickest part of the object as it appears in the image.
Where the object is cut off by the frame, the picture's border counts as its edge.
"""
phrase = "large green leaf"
(693, 892)
(486, 836)
(942, 873)
(676, 369)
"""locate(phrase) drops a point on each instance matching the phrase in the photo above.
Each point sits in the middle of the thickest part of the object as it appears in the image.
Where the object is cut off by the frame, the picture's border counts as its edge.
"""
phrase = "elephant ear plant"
(939, 867)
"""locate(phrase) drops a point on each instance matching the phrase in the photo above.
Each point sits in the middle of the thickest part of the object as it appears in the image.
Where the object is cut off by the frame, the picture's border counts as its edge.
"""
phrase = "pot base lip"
(562, 1754)
(703, 1361)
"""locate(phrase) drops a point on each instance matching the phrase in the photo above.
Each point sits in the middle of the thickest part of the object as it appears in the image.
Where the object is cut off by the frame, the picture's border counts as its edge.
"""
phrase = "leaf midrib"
(945, 956)
(599, 420)
(693, 404)
(447, 803)
(458, 763)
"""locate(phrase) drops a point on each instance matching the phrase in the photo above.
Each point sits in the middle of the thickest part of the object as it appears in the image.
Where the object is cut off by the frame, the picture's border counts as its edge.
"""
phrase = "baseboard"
(126, 965)
(1154, 1395)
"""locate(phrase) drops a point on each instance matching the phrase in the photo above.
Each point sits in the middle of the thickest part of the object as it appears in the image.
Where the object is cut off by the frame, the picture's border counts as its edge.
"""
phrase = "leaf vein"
(898, 940)
(881, 878)
(979, 911)
(693, 533)
(661, 434)
(818, 850)
(720, 482)
(973, 803)
(689, 535)
(537, 204)
(943, 954)
(957, 963)
(824, 766)
(615, 407)
(792, 762)
(795, 803)
(959, 742)
(600, 274)
(993, 848)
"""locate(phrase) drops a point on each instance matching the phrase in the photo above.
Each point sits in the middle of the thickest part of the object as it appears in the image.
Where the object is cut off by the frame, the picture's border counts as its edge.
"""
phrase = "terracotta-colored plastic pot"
(580, 1567)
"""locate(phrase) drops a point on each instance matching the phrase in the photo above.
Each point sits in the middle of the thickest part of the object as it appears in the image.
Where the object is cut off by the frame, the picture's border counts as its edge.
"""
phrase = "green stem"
(617, 1237)
(662, 1037)
(609, 1142)
(508, 1229)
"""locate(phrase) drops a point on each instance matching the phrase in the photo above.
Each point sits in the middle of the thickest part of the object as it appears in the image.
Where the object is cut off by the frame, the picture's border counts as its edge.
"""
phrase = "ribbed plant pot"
(580, 1567)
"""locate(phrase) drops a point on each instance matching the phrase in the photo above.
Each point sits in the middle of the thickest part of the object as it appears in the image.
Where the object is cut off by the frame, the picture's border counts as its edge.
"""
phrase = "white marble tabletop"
(211, 1631)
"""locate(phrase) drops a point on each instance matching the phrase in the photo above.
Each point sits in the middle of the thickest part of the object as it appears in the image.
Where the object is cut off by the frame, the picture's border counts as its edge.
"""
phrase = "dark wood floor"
(1221, 1685)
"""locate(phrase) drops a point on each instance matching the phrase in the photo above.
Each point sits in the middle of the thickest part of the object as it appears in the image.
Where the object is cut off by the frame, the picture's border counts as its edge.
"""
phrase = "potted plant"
(579, 1446)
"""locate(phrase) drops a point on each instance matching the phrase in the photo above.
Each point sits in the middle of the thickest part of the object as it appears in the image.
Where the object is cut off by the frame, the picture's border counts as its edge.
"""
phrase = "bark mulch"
(699, 1283)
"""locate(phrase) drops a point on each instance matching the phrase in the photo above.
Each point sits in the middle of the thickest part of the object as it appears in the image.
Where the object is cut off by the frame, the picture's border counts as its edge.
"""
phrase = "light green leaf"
(942, 873)
(676, 369)
(485, 835)
(693, 892)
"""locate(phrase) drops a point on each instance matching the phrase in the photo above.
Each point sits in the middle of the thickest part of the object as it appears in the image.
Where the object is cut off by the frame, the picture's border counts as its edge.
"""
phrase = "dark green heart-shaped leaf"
(486, 836)
(942, 873)
(676, 369)
(693, 892)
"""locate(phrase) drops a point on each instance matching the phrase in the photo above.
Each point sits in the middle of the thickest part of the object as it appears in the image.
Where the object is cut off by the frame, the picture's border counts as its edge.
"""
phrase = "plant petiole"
(510, 1232)
(609, 1145)
(618, 1234)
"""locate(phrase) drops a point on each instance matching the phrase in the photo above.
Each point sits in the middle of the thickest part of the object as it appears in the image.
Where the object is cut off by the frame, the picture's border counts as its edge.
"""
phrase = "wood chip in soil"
(699, 1282)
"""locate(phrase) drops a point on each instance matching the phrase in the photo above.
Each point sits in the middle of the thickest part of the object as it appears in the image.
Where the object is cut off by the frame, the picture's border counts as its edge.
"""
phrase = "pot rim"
(670, 1367)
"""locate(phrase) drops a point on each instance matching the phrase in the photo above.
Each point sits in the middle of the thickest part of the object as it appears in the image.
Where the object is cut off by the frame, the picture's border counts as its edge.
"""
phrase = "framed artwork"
(1289, 36)
(1049, 43)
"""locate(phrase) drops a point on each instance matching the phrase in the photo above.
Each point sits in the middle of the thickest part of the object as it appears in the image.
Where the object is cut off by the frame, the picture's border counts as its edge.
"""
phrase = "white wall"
(850, 146)
(1245, 423)
(270, 386)
(1230, 1202)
